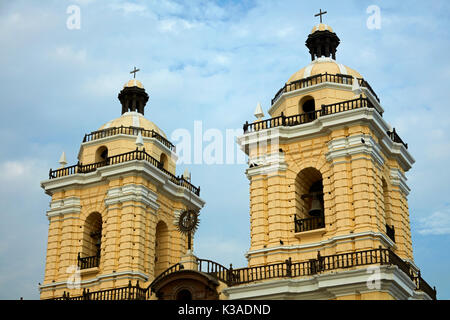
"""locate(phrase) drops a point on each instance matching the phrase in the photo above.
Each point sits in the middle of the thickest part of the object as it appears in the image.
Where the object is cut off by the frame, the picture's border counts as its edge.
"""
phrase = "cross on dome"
(134, 72)
(320, 14)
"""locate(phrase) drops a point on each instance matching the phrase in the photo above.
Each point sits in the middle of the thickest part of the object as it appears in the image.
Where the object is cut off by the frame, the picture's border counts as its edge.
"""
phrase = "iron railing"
(124, 293)
(302, 118)
(295, 120)
(214, 269)
(175, 268)
(134, 131)
(396, 138)
(287, 269)
(321, 78)
(308, 224)
(88, 262)
(120, 158)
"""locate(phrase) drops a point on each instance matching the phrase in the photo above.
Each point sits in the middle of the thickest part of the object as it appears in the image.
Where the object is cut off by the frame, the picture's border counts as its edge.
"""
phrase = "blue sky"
(210, 61)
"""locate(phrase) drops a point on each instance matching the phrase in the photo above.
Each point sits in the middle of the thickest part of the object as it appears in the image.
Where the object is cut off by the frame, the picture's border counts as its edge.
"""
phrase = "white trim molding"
(324, 125)
(64, 206)
(399, 179)
(357, 144)
(132, 192)
(266, 164)
(135, 167)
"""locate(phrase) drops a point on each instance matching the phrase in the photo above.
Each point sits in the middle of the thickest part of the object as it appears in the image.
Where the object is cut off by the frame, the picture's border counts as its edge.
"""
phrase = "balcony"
(88, 262)
(121, 158)
(134, 131)
(287, 269)
(321, 78)
(309, 224)
(299, 119)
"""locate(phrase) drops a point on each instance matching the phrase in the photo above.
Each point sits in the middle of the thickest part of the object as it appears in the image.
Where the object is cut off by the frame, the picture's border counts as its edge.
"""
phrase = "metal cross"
(134, 72)
(320, 14)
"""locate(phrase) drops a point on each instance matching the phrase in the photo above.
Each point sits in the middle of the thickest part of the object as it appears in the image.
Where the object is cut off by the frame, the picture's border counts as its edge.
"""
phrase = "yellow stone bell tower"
(328, 191)
(113, 215)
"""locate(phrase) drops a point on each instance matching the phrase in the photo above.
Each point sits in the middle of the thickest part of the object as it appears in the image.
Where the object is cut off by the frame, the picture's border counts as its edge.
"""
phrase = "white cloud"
(436, 224)
(14, 170)
(104, 85)
(69, 54)
(129, 7)
(176, 25)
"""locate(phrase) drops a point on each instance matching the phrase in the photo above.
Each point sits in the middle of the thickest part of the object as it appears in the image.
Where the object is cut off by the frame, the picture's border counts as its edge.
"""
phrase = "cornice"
(324, 125)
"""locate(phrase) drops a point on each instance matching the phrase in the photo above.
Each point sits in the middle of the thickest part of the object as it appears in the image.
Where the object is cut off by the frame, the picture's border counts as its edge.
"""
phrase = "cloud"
(18, 172)
(69, 54)
(129, 7)
(23, 229)
(437, 223)
(210, 61)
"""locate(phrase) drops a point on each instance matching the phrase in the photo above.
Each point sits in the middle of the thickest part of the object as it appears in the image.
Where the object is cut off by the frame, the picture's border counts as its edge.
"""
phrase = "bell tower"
(327, 177)
(113, 215)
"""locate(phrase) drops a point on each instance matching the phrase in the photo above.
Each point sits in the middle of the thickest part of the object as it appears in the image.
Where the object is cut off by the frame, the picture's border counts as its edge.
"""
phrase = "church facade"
(329, 214)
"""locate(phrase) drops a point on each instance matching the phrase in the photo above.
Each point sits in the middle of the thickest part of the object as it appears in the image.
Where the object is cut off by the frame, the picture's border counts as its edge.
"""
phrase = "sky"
(208, 62)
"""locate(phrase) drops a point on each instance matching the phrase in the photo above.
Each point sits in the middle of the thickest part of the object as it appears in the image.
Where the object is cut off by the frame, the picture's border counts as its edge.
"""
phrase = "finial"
(320, 14)
(134, 72)
(356, 88)
(259, 114)
(139, 140)
(62, 160)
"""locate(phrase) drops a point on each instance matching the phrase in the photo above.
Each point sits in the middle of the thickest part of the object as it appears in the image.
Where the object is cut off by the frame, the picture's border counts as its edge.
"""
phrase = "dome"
(321, 66)
(322, 27)
(133, 83)
(133, 119)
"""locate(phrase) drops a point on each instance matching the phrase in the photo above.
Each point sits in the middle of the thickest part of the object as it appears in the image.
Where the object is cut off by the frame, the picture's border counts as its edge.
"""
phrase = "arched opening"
(92, 237)
(163, 161)
(101, 154)
(390, 230)
(308, 106)
(385, 201)
(161, 248)
(184, 295)
(309, 200)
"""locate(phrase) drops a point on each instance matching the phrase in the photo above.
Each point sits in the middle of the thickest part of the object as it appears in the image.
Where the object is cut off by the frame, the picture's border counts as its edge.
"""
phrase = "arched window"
(309, 200)
(390, 229)
(184, 295)
(308, 106)
(161, 248)
(92, 235)
(101, 154)
(163, 161)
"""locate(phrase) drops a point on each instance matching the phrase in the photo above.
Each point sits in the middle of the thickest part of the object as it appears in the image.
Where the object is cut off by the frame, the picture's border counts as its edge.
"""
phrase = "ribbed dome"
(323, 65)
(321, 27)
(133, 119)
(133, 83)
